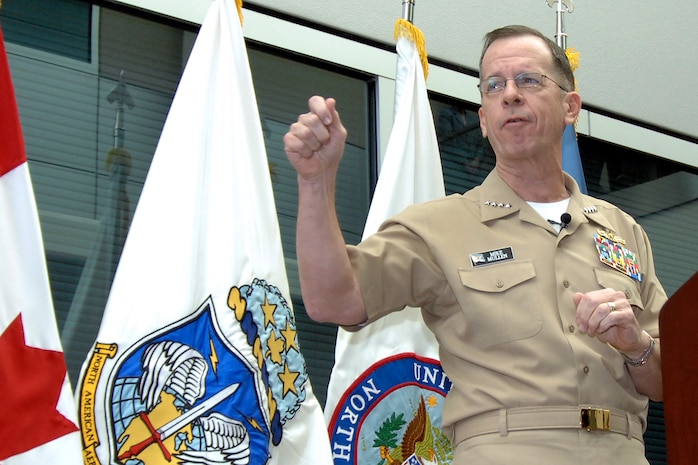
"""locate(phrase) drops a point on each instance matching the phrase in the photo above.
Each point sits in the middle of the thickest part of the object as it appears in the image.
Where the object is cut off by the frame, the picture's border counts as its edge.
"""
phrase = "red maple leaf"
(31, 380)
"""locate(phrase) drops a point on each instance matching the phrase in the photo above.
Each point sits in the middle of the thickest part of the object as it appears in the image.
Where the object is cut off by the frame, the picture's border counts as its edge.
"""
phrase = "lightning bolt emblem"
(251, 421)
(213, 357)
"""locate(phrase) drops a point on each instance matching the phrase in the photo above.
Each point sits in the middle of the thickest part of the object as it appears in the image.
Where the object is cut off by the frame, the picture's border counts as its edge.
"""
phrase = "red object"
(12, 150)
(32, 380)
(155, 437)
(678, 327)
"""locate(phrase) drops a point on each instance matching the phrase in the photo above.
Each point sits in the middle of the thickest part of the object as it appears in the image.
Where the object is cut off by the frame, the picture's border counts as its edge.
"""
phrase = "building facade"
(94, 81)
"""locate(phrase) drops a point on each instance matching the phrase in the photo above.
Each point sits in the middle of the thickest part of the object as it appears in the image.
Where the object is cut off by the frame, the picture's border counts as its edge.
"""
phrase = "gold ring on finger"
(612, 306)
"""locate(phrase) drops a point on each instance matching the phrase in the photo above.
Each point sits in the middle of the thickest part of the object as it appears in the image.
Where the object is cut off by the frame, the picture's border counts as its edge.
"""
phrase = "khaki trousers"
(550, 447)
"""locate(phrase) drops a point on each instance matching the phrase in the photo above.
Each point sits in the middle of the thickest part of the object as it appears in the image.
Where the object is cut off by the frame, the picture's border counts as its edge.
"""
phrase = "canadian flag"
(37, 414)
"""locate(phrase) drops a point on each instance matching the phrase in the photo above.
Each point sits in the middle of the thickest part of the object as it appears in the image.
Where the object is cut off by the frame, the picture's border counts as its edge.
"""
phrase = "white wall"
(637, 58)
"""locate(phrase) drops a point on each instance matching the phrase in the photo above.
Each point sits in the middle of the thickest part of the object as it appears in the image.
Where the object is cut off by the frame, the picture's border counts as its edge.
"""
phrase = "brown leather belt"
(590, 419)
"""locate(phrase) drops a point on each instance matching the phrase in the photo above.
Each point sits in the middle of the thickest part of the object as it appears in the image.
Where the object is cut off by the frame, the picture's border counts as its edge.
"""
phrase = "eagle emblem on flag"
(395, 408)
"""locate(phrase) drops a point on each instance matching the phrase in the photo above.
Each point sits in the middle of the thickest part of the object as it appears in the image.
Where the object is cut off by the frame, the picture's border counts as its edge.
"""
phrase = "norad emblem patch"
(391, 415)
(215, 387)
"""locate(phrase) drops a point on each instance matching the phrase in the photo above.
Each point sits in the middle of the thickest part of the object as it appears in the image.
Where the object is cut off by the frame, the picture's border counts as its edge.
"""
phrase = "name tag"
(492, 256)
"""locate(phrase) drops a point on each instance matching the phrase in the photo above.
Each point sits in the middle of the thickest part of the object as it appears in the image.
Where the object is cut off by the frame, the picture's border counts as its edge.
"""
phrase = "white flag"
(37, 415)
(387, 379)
(197, 359)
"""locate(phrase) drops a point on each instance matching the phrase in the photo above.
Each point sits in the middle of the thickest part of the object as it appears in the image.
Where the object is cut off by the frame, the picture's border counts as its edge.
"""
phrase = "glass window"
(283, 86)
(90, 138)
(466, 157)
(62, 27)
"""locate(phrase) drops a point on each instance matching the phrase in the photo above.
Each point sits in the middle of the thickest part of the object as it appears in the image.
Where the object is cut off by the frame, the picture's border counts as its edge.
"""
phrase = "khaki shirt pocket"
(500, 302)
(608, 278)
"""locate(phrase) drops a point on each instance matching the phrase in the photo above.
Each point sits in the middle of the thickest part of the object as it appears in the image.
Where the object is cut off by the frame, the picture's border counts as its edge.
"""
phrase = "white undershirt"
(551, 211)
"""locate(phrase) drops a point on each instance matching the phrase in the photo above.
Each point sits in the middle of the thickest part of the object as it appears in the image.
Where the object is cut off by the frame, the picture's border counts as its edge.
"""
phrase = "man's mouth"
(514, 120)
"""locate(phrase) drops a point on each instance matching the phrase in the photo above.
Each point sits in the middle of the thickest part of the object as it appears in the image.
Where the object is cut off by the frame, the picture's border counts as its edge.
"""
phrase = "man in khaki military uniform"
(544, 300)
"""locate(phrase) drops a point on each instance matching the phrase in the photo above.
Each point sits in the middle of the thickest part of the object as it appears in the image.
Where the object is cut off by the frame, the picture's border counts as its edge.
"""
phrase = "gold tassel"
(238, 5)
(406, 29)
(573, 58)
(118, 156)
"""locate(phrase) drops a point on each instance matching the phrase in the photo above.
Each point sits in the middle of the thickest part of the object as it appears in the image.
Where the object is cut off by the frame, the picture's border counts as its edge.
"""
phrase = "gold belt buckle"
(595, 419)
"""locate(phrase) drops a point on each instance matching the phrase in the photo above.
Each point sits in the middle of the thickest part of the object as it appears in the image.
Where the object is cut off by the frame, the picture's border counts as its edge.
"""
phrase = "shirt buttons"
(565, 284)
(571, 328)
(499, 284)
(586, 369)
(627, 294)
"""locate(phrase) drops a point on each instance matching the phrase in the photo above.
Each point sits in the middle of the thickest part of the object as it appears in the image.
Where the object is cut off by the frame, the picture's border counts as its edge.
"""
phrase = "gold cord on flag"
(238, 5)
(404, 28)
(573, 58)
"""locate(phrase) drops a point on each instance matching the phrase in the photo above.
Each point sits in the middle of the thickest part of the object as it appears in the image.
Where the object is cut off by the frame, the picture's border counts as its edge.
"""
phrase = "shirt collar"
(498, 200)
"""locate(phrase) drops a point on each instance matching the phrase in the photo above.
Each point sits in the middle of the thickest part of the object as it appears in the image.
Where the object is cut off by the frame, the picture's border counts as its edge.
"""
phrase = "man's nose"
(511, 93)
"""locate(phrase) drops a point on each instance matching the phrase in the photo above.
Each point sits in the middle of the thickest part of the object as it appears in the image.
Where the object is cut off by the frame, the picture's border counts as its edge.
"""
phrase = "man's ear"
(481, 114)
(573, 104)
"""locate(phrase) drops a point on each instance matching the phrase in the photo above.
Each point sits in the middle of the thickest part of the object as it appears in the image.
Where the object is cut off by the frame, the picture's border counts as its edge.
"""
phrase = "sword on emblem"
(172, 426)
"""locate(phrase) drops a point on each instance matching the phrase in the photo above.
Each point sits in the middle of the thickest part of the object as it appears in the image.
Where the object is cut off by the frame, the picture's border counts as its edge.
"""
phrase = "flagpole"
(120, 95)
(571, 158)
(560, 35)
(92, 291)
(408, 10)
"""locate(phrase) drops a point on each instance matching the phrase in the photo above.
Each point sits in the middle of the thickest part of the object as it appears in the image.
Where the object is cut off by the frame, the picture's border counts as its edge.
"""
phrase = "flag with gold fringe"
(197, 358)
(387, 386)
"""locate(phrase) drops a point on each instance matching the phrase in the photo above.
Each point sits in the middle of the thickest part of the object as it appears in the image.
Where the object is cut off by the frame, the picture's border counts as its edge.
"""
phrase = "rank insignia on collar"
(612, 252)
(490, 203)
(590, 209)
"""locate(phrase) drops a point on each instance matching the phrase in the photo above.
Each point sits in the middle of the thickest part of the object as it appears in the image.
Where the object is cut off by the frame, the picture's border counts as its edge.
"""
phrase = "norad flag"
(37, 416)
(571, 159)
(197, 359)
(387, 387)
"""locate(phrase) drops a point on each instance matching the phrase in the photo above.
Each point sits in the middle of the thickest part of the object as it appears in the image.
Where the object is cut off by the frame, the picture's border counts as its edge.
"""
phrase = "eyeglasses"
(524, 80)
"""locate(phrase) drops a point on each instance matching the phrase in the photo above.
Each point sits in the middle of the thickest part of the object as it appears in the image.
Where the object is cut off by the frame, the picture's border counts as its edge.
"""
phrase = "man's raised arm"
(314, 145)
